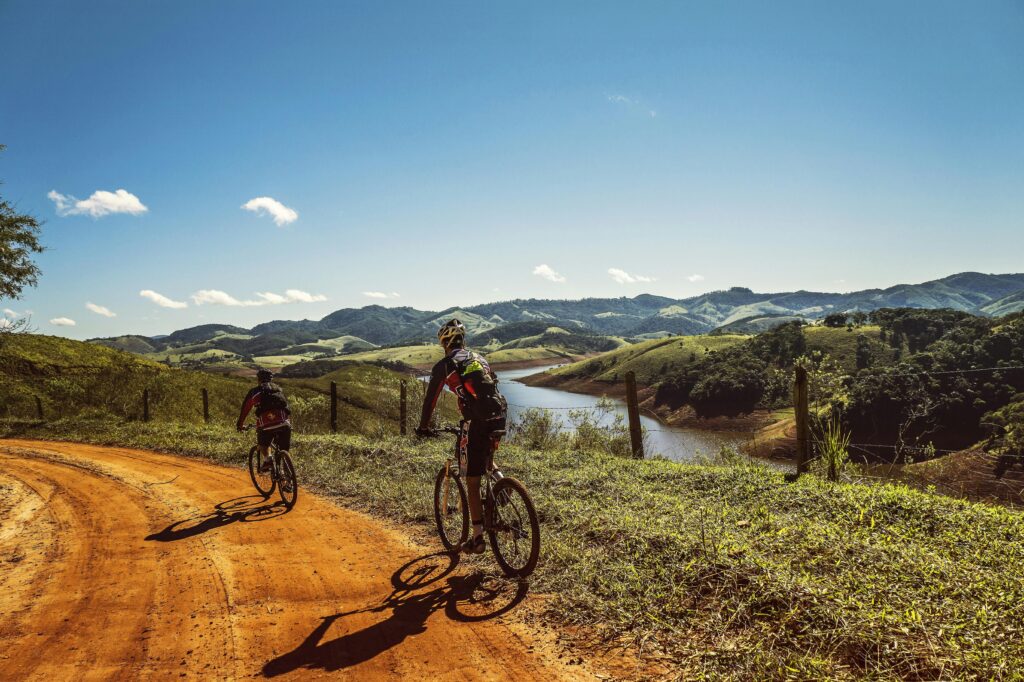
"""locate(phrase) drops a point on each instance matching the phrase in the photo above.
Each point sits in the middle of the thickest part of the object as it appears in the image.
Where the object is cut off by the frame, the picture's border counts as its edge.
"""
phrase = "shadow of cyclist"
(240, 509)
(409, 608)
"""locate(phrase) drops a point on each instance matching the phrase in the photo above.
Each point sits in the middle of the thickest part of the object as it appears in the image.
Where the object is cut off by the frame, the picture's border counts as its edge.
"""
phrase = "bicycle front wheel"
(287, 485)
(262, 480)
(515, 529)
(451, 509)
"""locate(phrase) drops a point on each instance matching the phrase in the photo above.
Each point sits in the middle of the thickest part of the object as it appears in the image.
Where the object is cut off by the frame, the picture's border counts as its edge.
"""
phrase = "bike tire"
(514, 530)
(451, 509)
(288, 485)
(263, 481)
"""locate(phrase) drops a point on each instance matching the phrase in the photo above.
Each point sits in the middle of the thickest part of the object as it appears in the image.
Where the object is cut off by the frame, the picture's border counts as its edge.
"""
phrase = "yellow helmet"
(451, 331)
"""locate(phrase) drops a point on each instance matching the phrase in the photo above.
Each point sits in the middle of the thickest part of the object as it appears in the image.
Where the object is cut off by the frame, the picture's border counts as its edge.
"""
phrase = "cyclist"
(272, 416)
(468, 376)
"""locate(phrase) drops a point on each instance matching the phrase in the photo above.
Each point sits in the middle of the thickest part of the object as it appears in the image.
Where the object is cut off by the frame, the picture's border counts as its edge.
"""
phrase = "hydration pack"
(272, 400)
(480, 395)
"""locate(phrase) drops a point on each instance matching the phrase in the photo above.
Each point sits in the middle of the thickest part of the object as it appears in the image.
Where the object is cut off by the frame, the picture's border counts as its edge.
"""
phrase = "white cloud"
(381, 294)
(548, 273)
(5, 323)
(621, 99)
(100, 310)
(162, 300)
(623, 277)
(10, 314)
(217, 297)
(281, 214)
(696, 278)
(101, 203)
(62, 322)
(297, 296)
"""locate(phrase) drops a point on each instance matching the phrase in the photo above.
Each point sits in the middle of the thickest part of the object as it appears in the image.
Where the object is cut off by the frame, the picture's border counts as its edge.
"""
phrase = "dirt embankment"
(126, 564)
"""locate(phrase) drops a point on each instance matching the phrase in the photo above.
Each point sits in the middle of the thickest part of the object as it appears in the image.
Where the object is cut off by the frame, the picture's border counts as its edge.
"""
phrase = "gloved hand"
(238, 427)
(424, 433)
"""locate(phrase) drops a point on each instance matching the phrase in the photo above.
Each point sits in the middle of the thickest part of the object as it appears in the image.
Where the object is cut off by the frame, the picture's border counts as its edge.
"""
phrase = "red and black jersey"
(271, 407)
(466, 374)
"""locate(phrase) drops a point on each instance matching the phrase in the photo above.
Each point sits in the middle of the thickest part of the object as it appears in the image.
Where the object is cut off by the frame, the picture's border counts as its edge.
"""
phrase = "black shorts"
(281, 436)
(479, 449)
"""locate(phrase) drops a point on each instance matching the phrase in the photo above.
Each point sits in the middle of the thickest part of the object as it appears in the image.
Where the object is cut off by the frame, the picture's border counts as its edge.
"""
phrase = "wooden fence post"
(145, 404)
(206, 406)
(636, 439)
(803, 440)
(39, 408)
(402, 409)
(334, 407)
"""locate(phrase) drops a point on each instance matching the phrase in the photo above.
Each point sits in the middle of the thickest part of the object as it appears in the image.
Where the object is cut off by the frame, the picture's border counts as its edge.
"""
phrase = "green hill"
(643, 316)
(651, 360)
(85, 380)
(1007, 305)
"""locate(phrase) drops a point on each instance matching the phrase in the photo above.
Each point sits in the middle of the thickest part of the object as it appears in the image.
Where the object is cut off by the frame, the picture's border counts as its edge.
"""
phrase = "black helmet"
(264, 376)
(451, 332)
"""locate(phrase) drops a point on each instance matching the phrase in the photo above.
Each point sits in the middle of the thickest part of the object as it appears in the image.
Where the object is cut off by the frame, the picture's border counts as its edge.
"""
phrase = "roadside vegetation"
(721, 570)
(84, 380)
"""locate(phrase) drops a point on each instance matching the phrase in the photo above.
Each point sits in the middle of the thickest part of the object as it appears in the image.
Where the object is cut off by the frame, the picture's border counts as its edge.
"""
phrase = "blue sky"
(442, 152)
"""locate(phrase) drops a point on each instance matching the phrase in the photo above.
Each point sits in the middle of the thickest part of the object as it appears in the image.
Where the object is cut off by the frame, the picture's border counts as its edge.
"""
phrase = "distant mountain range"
(644, 316)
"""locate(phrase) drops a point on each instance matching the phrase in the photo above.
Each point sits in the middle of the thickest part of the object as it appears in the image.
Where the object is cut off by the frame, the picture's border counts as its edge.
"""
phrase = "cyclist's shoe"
(265, 467)
(474, 545)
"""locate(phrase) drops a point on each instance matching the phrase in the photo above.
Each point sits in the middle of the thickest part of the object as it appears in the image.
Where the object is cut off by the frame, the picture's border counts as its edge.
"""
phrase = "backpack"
(489, 405)
(272, 399)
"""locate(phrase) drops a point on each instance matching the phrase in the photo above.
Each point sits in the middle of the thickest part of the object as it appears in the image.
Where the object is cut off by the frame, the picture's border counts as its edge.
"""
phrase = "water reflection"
(677, 443)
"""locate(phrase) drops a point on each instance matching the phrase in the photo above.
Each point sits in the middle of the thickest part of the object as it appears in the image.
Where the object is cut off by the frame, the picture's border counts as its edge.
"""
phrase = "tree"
(836, 319)
(19, 240)
(863, 352)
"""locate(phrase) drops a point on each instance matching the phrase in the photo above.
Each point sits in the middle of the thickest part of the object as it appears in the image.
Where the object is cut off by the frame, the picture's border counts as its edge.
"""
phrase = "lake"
(677, 443)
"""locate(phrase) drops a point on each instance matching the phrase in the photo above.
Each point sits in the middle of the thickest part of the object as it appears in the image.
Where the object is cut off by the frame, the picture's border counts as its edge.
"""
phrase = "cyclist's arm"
(434, 388)
(251, 400)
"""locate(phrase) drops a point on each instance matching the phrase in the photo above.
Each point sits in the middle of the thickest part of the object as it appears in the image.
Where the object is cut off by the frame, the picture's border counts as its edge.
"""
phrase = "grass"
(416, 356)
(651, 360)
(728, 572)
(73, 378)
(840, 344)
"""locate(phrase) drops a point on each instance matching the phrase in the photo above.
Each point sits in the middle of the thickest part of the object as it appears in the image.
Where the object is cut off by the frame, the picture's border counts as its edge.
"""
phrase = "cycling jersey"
(271, 407)
(468, 375)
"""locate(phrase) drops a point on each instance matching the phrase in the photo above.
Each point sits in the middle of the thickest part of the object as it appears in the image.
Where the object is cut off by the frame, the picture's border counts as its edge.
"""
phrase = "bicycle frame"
(454, 467)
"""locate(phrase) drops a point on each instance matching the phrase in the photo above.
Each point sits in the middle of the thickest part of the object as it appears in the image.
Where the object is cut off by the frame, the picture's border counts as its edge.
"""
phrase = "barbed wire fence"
(981, 469)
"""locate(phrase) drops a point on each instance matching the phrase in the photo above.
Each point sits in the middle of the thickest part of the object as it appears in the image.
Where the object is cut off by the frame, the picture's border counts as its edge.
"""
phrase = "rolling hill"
(641, 317)
(84, 380)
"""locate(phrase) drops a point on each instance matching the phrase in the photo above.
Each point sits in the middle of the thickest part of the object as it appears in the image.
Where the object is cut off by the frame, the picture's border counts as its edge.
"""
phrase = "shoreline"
(754, 424)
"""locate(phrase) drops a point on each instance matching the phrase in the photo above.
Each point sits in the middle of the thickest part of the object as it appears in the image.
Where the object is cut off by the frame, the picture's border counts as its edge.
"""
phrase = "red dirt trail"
(127, 564)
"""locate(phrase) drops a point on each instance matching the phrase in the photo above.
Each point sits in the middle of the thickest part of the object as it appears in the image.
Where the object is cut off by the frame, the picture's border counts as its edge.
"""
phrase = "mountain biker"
(469, 377)
(272, 413)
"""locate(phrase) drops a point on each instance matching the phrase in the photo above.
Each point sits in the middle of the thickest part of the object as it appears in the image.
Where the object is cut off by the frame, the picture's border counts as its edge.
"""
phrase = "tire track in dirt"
(126, 564)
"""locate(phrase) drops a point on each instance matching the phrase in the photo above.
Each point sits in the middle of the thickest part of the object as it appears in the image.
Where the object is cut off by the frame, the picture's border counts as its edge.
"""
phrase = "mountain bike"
(510, 519)
(280, 475)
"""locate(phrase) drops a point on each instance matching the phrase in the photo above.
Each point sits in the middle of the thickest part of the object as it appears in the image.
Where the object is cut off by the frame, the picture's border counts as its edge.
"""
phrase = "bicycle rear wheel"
(515, 529)
(262, 480)
(287, 484)
(451, 509)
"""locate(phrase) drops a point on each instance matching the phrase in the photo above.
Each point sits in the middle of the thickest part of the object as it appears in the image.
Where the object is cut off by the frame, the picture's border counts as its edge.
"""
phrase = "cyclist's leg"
(283, 438)
(478, 451)
(263, 441)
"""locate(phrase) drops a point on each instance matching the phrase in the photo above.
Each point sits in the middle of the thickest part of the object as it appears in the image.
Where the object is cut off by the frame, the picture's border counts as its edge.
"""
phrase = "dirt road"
(119, 563)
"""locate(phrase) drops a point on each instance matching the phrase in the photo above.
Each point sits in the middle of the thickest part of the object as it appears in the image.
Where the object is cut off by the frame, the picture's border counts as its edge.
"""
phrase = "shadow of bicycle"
(418, 592)
(246, 509)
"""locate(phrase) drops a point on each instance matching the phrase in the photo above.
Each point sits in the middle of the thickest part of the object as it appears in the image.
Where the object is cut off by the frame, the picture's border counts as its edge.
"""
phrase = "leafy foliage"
(19, 241)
